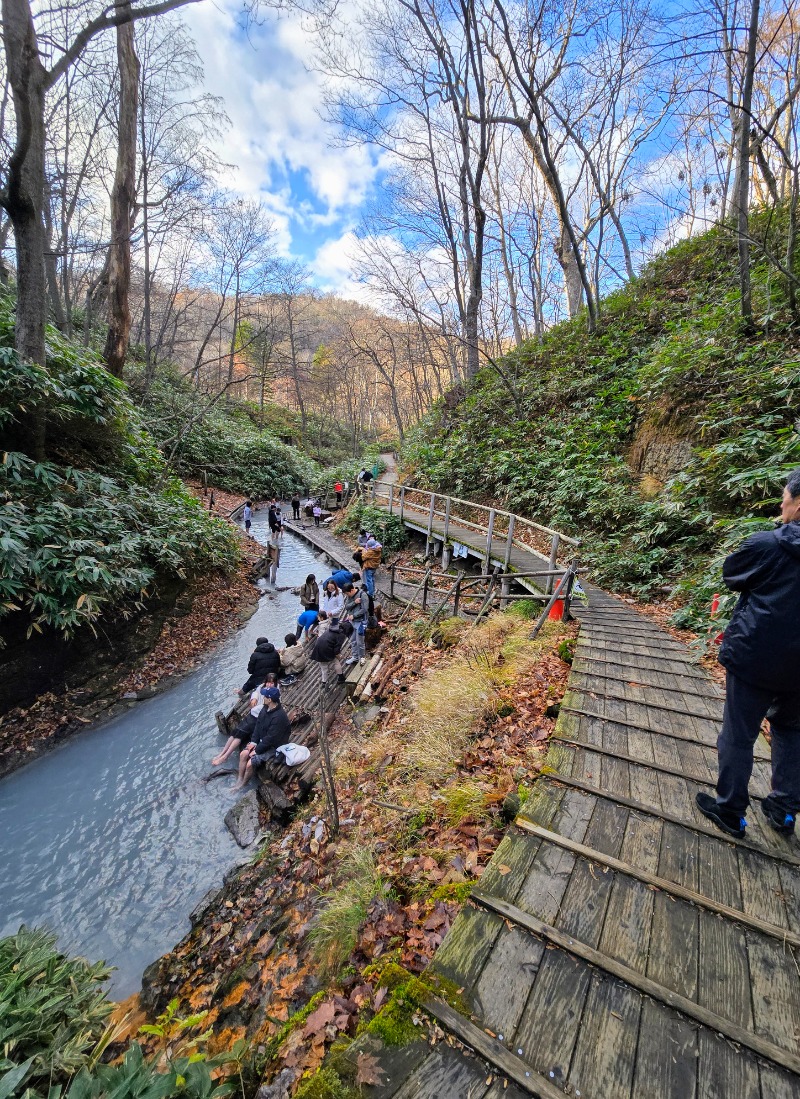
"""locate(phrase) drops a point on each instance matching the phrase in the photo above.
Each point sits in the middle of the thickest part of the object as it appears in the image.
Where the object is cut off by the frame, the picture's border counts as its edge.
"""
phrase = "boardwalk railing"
(441, 517)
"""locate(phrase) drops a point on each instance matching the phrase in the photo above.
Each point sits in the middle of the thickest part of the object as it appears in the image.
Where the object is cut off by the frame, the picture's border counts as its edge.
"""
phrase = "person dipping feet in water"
(243, 732)
(761, 654)
(273, 728)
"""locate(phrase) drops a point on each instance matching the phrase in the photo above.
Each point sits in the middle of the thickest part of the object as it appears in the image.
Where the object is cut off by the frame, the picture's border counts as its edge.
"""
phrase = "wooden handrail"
(383, 487)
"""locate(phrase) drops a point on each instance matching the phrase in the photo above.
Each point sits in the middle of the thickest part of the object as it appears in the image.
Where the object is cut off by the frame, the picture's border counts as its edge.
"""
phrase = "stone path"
(618, 945)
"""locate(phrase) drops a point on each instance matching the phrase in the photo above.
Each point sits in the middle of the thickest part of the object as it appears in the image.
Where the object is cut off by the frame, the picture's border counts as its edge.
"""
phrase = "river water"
(112, 838)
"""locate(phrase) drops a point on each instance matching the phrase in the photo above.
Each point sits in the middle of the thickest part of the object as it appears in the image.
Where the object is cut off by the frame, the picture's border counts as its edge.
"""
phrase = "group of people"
(342, 607)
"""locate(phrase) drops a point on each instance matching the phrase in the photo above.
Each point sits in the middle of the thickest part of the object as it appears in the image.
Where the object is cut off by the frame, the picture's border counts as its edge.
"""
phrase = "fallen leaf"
(369, 1070)
(504, 869)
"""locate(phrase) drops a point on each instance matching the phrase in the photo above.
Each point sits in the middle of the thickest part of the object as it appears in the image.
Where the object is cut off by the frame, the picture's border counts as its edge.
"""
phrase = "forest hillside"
(660, 440)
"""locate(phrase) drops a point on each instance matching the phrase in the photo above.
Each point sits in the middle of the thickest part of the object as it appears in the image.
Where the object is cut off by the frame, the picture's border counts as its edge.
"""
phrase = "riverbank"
(206, 612)
(292, 953)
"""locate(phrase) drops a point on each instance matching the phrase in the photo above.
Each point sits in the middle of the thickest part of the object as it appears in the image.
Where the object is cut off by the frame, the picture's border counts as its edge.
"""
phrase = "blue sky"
(283, 150)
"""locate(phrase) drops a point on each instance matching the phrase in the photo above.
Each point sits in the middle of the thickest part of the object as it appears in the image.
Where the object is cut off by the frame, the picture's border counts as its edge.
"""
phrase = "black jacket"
(273, 728)
(762, 642)
(264, 660)
(328, 645)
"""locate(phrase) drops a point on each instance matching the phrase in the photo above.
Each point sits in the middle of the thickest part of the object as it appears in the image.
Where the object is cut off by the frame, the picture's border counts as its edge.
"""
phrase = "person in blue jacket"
(341, 578)
(761, 654)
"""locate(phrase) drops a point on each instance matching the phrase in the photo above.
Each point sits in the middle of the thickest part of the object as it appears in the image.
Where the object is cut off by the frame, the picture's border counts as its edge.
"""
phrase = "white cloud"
(284, 152)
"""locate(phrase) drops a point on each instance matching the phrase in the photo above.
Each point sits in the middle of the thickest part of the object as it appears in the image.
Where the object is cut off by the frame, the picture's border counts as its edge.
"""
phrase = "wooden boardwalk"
(618, 945)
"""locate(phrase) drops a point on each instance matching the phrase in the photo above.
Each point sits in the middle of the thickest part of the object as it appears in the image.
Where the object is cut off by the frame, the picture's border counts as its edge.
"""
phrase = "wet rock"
(200, 909)
(242, 819)
(281, 1086)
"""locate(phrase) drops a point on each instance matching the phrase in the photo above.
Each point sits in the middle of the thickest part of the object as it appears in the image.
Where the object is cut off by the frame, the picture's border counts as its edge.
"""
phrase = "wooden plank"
(603, 1063)
(706, 830)
(671, 684)
(724, 1072)
(735, 1032)
(546, 883)
(542, 804)
(680, 771)
(488, 1048)
(629, 918)
(552, 1017)
(718, 866)
(790, 887)
(506, 980)
(466, 947)
(776, 1084)
(584, 909)
(591, 655)
(606, 828)
(666, 1057)
(723, 982)
(762, 892)
(574, 814)
(444, 1070)
(673, 888)
(641, 844)
(674, 734)
(509, 865)
(674, 952)
(775, 988)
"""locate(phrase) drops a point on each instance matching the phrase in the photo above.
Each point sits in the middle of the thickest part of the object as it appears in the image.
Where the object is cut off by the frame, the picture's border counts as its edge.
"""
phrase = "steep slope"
(660, 440)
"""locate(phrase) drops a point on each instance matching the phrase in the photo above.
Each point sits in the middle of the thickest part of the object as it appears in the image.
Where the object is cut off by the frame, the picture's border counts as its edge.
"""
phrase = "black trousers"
(746, 706)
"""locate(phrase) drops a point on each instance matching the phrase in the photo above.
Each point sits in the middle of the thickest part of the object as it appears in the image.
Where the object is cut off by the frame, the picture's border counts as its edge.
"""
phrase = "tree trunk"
(24, 191)
(123, 196)
(742, 190)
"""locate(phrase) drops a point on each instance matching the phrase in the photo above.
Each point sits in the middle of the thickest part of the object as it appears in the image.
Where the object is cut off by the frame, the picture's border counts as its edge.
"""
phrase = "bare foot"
(215, 762)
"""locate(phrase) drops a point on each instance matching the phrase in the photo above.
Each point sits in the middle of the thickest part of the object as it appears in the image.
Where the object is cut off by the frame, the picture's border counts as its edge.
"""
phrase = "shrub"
(389, 529)
(344, 909)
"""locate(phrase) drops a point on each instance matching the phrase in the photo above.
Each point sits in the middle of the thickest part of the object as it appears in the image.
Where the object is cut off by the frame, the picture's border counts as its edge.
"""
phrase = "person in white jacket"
(332, 600)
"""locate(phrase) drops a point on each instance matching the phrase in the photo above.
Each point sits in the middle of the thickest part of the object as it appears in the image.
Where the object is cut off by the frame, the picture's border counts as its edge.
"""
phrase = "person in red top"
(337, 488)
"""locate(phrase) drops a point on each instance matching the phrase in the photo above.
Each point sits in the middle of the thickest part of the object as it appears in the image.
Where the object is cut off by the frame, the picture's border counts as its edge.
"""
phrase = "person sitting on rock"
(294, 657)
(273, 728)
(263, 660)
(243, 732)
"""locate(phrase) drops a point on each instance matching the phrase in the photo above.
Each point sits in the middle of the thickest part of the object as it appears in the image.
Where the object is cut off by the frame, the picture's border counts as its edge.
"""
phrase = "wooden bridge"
(618, 946)
(497, 538)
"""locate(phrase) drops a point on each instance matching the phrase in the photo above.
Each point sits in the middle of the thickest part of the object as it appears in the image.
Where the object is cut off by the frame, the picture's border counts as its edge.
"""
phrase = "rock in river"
(242, 819)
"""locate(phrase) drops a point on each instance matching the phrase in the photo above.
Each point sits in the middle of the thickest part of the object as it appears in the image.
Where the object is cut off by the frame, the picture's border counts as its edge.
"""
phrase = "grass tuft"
(344, 910)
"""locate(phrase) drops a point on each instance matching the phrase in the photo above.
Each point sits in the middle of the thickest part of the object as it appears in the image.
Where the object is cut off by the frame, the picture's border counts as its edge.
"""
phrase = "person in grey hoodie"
(761, 654)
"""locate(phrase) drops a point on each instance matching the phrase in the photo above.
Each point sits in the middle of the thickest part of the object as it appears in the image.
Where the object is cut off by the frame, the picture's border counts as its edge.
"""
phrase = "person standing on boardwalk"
(247, 515)
(337, 488)
(309, 593)
(370, 559)
(357, 609)
(761, 654)
(296, 505)
(327, 650)
(317, 510)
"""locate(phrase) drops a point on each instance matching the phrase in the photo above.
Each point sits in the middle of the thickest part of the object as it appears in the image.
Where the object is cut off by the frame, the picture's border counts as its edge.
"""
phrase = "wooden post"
(430, 515)
(391, 581)
(402, 501)
(425, 583)
(446, 551)
(489, 535)
(457, 596)
(446, 518)
(571, 576)
(505, 584)
(391, 498)
(509, 542)
(205, 483)
(554, 543)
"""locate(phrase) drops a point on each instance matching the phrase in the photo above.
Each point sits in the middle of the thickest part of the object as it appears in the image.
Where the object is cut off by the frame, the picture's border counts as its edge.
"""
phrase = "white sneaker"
(352, 660)
(363, 661)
